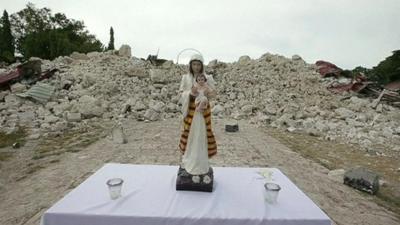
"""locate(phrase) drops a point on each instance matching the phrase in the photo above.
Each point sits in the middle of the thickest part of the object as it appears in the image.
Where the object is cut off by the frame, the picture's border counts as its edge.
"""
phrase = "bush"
(388, 70)
(41, 34)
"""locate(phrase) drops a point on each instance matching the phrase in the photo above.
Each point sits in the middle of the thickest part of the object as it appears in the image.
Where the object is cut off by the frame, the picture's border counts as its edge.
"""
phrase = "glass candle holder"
(271, 192)
(114, 187)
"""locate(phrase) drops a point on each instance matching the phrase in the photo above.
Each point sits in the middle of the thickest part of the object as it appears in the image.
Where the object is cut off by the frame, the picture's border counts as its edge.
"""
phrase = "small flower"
(196, 179)
(266, 174)
(206, 179)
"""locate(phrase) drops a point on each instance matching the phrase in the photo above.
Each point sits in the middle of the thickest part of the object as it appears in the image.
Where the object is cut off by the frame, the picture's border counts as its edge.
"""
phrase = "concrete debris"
(286, 93)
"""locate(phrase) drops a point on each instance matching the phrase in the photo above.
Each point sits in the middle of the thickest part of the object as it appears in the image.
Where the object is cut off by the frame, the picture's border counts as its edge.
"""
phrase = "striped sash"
(187, 122)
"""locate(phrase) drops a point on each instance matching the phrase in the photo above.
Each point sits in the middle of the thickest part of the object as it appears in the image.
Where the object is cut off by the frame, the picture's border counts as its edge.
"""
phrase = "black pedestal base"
(188, 182)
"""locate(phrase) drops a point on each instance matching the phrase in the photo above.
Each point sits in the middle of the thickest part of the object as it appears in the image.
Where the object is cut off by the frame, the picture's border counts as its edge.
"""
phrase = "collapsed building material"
(393, 86)
(29, 71)
(40, 92)
(388, 96)
(328, 69)
(269, 91)
(7, 77)
(359, 84)
(376, 101)
(356, 85)
(154, 60)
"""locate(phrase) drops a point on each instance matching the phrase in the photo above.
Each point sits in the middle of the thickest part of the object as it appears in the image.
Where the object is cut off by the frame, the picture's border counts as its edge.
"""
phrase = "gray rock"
(125, 51)
(26, 117)
(34, 136)
(65, 59)
(168, 64)
(74, 117)
(337, 175)
(157, 106)
(118, 135)
(270, 109)
(171, 107)
(18, 88)
(358, 104)
(3, 95)
(139, 106)
(387, 132)
(296, 57)
(136, 72)
(94, 54)
(379, 108)
(213, 63)
(88, 80)
(151, 115)
(51, 119)
(362, 179)
(286, 120)
(59, 109)
(13, 100)
(159, 86)
(244, 59)
(217, 109)
(320, 126)
(90, 107)
(247, 109)
(344, 113)
(313, 132)
(59, 126)
(128, 106)
(158, 76)
(79, 56)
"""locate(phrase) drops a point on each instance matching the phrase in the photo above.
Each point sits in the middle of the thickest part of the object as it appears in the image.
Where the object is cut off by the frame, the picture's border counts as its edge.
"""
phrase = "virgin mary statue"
(197, 142)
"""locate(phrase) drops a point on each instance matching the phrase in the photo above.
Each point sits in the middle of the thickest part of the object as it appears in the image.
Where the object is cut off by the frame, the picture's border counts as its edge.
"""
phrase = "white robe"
(195, 159)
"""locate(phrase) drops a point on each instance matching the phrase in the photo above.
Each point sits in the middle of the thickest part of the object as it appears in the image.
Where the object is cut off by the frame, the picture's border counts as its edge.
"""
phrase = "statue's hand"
(206, 92)
(194, 91)
(209, 92)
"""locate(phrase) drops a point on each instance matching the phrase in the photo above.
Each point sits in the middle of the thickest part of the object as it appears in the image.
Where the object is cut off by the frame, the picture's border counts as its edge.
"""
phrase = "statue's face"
(196, 66)
(201, 80)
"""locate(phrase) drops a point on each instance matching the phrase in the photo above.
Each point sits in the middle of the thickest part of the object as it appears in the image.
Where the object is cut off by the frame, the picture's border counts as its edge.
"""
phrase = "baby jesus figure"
(202, 88)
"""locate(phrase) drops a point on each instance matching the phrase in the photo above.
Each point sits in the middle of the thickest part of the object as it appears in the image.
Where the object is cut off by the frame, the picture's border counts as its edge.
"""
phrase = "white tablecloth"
(149, 198)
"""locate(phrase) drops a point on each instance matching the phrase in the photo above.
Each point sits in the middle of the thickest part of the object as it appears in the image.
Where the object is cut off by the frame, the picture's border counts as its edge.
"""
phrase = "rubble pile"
(290, 94)
(269, 91)
(91, 88)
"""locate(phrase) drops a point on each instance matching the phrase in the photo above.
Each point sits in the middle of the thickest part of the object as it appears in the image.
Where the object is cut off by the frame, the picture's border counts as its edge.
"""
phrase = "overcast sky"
(347, 33)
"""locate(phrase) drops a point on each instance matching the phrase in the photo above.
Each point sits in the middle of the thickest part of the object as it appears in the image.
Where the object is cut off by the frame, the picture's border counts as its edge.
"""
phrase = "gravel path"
(24, 201)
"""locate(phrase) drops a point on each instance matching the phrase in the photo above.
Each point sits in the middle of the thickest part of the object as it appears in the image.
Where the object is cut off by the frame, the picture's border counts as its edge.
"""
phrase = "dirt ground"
(38, 174)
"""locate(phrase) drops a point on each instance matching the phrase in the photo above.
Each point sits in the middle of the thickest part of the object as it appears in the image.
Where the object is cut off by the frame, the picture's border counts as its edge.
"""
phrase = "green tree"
(111, 43)
(7, 49)
(387, 70)
(360, 69)
(40, 33)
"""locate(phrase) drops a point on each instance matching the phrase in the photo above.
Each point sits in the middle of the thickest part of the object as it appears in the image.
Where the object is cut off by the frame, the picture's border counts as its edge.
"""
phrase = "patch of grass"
(5, 155)
(71, 141)
(9, 139)
(387, 200)
(334, 155)
(33, 169)
(54, 161)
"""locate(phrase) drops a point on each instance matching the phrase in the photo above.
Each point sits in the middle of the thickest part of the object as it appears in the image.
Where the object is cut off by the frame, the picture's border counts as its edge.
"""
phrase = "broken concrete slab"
(118, 135)
(362, 179)
(74, 117)
(125, 51)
